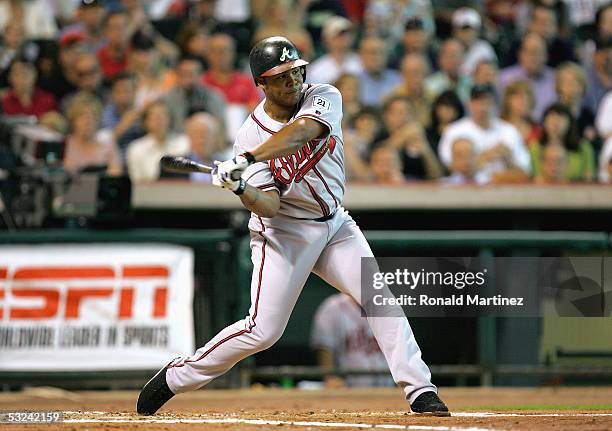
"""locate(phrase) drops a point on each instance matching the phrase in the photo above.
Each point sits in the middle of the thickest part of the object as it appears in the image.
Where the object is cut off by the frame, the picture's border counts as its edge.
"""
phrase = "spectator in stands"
(501, 154)
(605, 162)
(396, 113)
(449, 77)
(144, 153)
(343, 339)
(190, 96)
(603, 120)
(88, 23)
(359, 138)
(192, 40)
(23, 97)
(415, 40)
(206, 142)
(516, 107)
(602, 31)
(286, 18)
(12, 45)
(338, 38)
(62, 77)
(532, 67)
(202, 13)
(120, 115)
(445, 110)
(559, 129)
(85, 148)
(570, 85)
(237, 87)
(385, 166)
(88, 79)
(387, 19)
(466, 28)
(414, 70)
(152, 78)
(599, 73)
(545, 23)
(139, 22)
(418, 161)
(485, 73)
(113, 55)
(463, 163)
(552, 164)
(377, 81)
(349, 87)
(32, 15)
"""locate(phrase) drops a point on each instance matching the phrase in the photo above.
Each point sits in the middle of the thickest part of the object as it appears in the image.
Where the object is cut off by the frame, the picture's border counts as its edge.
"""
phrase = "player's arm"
(289, 139)
(264, 204)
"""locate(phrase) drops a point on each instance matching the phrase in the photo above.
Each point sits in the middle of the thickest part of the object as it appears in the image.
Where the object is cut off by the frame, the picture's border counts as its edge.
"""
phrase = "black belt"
(321, 219)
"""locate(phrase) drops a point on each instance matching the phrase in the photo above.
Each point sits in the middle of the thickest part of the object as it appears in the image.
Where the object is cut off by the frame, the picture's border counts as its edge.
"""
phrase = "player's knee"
(268, 337)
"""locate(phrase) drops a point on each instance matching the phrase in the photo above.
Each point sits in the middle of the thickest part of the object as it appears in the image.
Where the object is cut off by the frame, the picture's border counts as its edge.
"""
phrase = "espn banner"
(94, 306)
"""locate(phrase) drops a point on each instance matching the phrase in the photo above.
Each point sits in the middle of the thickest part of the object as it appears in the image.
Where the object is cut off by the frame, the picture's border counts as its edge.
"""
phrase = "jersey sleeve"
(258, 174)
(322, 103)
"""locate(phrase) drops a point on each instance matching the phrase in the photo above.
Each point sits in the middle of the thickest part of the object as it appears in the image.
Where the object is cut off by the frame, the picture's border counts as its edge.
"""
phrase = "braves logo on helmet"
(286, 55)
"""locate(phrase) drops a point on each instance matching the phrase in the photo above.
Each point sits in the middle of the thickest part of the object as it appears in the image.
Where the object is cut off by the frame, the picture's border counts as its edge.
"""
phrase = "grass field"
(474, 409)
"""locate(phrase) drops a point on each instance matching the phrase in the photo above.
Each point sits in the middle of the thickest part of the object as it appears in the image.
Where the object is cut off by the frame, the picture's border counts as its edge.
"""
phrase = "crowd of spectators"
(487, 92)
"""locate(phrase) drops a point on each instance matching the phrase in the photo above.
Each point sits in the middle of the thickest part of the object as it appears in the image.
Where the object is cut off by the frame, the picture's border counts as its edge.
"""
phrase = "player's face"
(284, 88)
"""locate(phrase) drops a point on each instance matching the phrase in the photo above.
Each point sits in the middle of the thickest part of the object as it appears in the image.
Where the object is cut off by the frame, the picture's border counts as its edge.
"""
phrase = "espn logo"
(39, 292)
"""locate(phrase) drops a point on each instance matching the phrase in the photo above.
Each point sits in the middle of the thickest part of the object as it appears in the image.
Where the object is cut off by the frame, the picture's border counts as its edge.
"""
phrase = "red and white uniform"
(285, 249)
(340, 328)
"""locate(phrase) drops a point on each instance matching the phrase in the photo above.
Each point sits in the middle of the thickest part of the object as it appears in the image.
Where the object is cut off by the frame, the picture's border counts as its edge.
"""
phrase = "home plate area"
(474, 409)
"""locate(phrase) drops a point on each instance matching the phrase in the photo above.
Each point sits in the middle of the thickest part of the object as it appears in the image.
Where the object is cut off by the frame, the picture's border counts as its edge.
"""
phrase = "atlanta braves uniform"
(312, 232)
(340, 328)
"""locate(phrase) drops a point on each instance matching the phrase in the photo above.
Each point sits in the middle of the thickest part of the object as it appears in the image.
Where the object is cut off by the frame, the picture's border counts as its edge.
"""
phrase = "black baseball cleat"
(154, 394)
(429, 404)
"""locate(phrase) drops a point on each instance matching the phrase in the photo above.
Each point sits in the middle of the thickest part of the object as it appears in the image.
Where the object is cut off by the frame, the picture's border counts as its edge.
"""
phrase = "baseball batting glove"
(236, 186)
(232, 169)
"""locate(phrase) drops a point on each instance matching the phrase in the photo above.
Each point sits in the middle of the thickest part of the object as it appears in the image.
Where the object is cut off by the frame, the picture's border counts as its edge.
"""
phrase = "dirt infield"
(559, 409)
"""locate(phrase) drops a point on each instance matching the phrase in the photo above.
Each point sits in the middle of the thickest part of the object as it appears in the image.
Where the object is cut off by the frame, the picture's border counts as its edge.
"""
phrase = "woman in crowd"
(359, 136)
(570, 84)
(516, 107)
(446, 109)
(143, 154)
(348, 85)
(407, 136)
(559, 128)
(85, 147)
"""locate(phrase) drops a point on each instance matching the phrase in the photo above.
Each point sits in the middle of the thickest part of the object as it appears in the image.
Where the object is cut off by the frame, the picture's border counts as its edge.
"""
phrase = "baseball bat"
(182, 165)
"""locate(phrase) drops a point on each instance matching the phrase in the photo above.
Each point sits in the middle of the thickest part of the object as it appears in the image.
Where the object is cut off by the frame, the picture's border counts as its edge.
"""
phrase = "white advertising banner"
(94, 306)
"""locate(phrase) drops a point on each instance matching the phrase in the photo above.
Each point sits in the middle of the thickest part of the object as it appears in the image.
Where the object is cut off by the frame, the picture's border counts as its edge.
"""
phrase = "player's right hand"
(232, 169)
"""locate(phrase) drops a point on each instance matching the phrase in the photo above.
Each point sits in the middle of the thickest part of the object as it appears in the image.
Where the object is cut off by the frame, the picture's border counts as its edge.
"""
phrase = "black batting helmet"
(274, 55)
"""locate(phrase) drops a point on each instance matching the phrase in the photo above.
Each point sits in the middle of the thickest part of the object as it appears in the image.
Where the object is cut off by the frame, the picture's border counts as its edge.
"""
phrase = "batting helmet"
(274, 55)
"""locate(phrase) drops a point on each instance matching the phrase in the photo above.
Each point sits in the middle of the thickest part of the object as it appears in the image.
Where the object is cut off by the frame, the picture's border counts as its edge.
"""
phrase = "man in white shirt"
(338, 38)
(501, 154)
(466, 28)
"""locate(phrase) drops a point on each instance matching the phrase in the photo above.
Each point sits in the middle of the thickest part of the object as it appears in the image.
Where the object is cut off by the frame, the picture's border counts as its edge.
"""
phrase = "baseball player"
(288, 170)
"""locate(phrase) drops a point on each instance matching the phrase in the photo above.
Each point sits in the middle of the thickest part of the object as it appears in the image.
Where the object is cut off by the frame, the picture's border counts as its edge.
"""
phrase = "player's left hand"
(231, 170)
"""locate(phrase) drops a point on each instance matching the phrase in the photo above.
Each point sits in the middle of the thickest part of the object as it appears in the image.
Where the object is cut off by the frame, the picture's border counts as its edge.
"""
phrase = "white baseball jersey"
(311, 181)
(340, 328)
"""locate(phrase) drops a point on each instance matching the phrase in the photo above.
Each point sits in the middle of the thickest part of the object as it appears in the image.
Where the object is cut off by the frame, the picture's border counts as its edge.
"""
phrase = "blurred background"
(471, 128)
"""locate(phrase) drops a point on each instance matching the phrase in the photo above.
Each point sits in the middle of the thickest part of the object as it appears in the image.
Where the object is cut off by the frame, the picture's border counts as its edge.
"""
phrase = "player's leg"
(281, 265)
(339, 265)
(279, 273)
